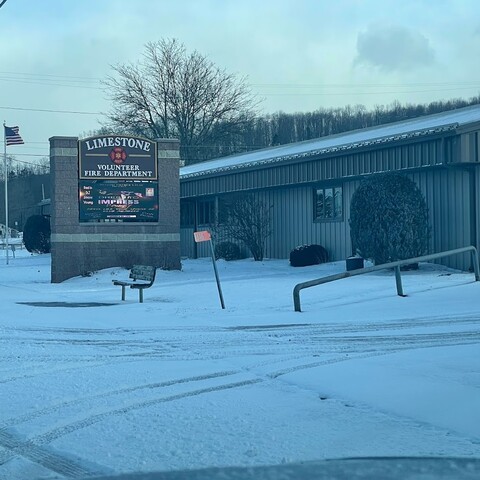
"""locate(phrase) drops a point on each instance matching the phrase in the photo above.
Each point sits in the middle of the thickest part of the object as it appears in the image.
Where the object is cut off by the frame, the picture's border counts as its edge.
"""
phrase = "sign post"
(204, 236)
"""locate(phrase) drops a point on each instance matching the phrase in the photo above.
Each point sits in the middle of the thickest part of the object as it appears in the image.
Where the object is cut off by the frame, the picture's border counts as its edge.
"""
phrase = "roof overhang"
(337, 149)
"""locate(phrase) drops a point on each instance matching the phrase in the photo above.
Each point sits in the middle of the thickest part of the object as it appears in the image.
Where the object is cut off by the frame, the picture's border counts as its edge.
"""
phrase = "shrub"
(389, 219)
(36, 234)
(308, 255)
(248, 220)
(228, 251)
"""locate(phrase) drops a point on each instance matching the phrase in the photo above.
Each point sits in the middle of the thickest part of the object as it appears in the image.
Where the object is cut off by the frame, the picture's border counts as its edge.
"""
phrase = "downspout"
(473, 207)
(195, 228)
(474, 197)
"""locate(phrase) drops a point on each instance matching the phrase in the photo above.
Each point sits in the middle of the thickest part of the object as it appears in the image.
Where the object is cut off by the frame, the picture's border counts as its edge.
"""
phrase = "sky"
(91, 385)
(297, 55)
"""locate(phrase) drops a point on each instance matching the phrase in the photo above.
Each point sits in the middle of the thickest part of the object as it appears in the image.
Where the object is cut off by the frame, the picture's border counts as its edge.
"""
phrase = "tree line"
(282, 128)
(171, 92)
(28, 184)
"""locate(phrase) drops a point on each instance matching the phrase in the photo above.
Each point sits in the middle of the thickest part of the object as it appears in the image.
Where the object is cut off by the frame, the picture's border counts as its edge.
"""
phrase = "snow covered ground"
(177, 382)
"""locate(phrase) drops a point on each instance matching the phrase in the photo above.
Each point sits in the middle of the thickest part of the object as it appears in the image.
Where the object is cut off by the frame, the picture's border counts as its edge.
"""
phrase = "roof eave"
(450, 128)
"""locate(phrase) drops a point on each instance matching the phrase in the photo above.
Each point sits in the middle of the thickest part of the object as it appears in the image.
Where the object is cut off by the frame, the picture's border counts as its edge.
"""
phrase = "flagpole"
(6, 189)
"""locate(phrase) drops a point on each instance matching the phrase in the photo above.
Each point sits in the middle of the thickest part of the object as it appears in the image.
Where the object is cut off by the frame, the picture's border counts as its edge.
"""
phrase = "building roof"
(416, 127)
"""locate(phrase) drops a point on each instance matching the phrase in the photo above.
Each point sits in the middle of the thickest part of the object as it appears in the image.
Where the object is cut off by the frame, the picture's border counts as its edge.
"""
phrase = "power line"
(40, 75)
(396, 92)
(28, 155)
(41, 78)
(79, 78)
(29, 143)
(49, 111)
(47, 83)
(51, 80)
(372, 85)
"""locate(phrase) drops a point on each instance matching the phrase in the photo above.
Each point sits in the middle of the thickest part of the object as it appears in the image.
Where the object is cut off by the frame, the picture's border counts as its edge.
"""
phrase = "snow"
(178, 383)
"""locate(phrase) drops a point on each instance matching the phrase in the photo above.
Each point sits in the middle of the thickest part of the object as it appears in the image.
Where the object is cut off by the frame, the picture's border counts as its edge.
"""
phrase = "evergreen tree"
(36, 234)
(389, 219)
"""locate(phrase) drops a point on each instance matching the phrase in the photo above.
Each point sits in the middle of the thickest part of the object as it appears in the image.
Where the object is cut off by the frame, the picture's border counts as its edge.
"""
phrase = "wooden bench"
(144, 273)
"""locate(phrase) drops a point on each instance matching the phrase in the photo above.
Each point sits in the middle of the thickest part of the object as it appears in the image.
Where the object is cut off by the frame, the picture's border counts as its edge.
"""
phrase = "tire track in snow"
(86, 422)
(303, 341)
(329, 328)
(49, 460)
(415, 341)
(68, 368)
(326, 327)
(82, 361)
(209, 337)
(32, 449)
(322, 363)
(152, 386)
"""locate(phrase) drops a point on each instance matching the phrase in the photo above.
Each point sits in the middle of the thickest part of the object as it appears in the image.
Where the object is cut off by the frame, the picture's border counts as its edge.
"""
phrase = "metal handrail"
(395, 265)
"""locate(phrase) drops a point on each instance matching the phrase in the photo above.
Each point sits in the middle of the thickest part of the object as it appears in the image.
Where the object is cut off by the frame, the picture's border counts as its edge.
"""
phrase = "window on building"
(206, 212)
(187, 214)
(329, 203)
(224, 205)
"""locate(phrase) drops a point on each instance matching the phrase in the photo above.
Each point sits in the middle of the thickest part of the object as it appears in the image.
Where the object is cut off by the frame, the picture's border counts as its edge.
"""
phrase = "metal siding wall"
(394, 157)
(468, 147)
(293, 224)
(477, 200)
(186, 242)
(447, 193)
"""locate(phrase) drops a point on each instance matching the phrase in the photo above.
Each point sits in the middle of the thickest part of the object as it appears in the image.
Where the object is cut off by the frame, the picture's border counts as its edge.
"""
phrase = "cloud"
(393, 48)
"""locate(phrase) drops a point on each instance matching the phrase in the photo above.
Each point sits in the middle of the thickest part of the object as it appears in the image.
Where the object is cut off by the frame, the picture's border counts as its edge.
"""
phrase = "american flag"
(12, 137)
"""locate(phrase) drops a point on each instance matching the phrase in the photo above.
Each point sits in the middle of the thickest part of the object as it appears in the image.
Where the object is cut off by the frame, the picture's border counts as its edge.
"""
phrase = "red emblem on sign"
(118, 155)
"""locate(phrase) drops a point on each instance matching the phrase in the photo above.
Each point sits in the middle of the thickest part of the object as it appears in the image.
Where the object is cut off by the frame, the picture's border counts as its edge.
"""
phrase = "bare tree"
(248, 220)
(173, 93)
